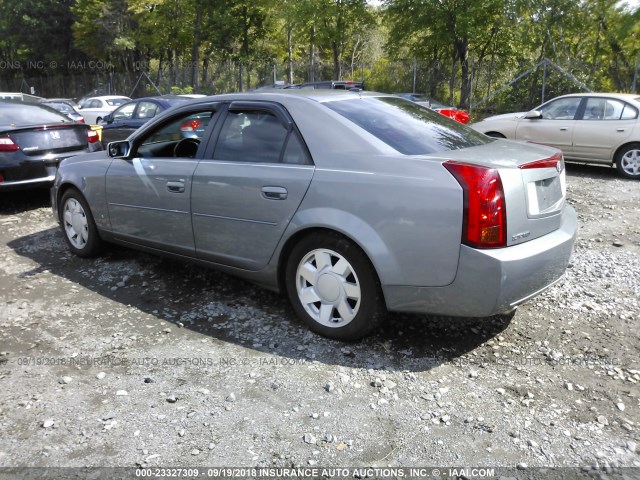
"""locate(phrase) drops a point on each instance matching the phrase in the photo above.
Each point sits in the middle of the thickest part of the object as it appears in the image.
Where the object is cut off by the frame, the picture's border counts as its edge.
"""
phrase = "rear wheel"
(628, 161)
(78, 226)
(334, 288)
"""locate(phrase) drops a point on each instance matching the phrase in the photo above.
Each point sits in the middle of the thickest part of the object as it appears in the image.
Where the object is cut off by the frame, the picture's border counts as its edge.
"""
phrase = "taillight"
(485, 212)
(555, 161)
(190, 125)
(92, 136)
(80, 120)
(7, 145)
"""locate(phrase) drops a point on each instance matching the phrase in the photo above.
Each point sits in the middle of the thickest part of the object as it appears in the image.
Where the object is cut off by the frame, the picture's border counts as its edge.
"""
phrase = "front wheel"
(334, 288)
(628, 161)
(78, 226)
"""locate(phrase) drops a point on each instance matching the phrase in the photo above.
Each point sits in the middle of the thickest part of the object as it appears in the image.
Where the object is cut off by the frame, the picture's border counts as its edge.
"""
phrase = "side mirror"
(108, 118)
(533, 115)
(119, 149)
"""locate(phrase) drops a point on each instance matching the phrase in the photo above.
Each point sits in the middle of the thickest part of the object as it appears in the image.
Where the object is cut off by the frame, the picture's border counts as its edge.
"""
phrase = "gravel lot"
(130, 359)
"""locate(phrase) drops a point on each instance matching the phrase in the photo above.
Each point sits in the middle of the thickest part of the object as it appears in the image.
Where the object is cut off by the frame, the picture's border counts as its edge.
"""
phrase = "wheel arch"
(614, 159)
(305, 232)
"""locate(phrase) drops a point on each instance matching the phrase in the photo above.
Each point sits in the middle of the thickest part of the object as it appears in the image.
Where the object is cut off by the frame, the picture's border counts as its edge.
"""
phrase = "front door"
(556, 126)
(149, 194)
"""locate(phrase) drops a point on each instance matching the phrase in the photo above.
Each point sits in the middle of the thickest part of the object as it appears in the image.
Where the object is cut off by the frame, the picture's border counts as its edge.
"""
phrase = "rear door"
(149, 194)
(605, 124)
(249, 185)
(556, 126)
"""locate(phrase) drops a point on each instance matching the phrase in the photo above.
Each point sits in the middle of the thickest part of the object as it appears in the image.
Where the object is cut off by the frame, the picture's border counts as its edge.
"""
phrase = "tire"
(334, 288)
(98, 120)
(495, 135)
(78, 226)
(628, 161)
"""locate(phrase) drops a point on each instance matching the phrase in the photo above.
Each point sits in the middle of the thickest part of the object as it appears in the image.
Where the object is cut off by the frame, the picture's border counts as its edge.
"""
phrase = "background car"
(130, 116)
(601, 128)
(34, 139)
(329, 85)
(93, 109)
(351, 202)
(458, 115)
(65, 107)
(20, 97)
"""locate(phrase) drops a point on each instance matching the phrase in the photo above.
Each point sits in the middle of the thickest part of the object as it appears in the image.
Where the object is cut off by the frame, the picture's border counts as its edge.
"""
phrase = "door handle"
(621, 129)
(275, 193)
(563, 129)
(175, 187)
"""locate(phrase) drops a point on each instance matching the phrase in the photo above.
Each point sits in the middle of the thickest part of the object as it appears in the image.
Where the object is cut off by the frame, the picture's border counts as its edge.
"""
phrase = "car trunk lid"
(52, 139)
(534, 182)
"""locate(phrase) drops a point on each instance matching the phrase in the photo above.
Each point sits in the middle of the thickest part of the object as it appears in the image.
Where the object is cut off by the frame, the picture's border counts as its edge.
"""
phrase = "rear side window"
(24, 114)
(406, 126)
(629, 113)
(251, 136)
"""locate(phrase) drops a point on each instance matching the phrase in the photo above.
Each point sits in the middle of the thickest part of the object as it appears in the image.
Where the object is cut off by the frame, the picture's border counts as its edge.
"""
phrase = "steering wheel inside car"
(186, 148)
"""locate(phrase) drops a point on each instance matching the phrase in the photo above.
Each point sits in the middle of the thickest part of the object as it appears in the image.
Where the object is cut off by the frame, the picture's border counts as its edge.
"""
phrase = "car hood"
(505, 116)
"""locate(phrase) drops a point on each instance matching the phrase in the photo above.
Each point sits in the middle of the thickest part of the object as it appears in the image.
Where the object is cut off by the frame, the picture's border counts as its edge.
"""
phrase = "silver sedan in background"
(352, 203)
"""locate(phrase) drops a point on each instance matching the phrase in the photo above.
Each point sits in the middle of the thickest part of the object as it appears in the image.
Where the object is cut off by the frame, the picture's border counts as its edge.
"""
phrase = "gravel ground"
(134, 360)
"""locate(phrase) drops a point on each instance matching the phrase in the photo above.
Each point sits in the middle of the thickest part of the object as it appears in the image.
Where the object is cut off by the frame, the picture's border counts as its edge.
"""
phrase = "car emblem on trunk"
(55, 135)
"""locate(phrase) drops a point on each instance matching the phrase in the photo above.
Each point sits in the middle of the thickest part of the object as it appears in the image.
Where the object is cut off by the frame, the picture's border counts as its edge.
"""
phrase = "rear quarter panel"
(405, 213)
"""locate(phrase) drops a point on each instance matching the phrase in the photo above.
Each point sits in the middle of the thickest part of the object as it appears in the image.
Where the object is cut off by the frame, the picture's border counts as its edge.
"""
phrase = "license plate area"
(545, 196)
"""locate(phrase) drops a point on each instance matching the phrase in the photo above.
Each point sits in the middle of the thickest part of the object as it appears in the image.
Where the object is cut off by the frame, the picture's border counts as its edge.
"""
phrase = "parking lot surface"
(134, 360)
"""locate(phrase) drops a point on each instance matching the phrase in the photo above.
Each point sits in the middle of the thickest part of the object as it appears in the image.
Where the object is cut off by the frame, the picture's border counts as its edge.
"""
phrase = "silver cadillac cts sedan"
(352, 203)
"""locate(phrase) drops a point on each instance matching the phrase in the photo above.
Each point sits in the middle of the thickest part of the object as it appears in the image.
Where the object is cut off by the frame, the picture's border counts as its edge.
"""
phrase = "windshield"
(406, 126)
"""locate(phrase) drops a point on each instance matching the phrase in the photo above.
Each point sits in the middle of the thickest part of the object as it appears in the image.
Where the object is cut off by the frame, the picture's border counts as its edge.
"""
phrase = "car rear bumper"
(28, 183)
(490, 282)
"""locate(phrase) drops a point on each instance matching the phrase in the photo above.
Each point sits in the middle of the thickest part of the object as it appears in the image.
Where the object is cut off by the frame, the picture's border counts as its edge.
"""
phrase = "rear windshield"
(17, 114)
(60, 106)
(406, 126)
(116, 102)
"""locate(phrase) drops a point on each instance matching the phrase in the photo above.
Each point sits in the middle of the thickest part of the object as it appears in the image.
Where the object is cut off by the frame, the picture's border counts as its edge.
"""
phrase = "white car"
(588, 127)
(94, 109)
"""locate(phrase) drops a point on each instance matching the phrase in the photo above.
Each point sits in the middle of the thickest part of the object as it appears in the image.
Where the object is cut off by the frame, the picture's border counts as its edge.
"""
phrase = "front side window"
(406, 126)
(251, 136)
(125, 112)
(561, 109)
(178, 138)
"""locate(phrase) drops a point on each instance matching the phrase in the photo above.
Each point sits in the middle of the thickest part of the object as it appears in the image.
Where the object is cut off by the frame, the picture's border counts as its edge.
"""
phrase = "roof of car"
(320, 95)
(625, 96)
(107, 97)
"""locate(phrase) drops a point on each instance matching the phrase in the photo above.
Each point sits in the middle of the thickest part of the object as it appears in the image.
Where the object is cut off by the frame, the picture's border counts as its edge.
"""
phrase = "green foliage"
(458, 51)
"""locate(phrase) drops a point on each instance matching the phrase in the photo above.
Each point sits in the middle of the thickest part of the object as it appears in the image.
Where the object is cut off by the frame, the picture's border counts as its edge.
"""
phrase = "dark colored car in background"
(127, 118)
(329, 85)
(458, 115)
(34, 139)
(65, 107)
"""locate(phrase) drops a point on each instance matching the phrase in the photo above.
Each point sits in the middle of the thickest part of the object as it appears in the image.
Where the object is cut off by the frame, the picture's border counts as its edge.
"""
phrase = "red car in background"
(451, 112)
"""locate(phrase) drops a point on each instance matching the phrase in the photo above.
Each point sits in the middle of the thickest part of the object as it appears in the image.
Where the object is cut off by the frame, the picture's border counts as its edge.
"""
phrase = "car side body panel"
(87, 174)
